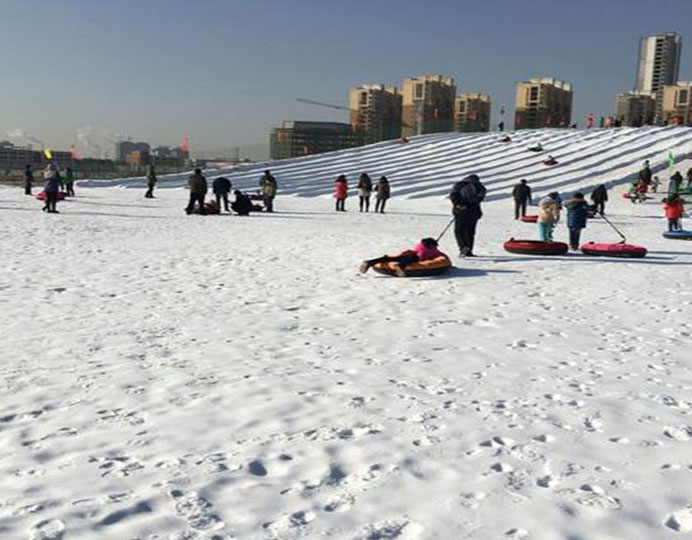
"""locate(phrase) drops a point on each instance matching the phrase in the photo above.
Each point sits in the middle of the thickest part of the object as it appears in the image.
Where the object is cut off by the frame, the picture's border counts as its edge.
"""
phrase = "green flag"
(671, 161)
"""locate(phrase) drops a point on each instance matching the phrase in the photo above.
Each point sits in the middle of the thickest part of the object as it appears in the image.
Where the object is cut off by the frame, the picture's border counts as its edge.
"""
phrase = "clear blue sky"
(227, 71)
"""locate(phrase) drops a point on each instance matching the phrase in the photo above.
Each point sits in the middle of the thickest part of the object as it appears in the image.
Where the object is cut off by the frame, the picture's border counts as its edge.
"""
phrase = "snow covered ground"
(173, 377)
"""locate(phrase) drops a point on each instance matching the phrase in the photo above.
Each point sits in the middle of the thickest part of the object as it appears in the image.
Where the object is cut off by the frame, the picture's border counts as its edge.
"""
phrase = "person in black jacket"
(645, 173)
(599, 197)
(466, 198)
(28, 180)
(222, 187)
(242, 204)
(522, 197)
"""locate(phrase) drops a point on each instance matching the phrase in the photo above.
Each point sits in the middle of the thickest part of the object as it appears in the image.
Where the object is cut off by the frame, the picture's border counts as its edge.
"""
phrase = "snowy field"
(173, 377)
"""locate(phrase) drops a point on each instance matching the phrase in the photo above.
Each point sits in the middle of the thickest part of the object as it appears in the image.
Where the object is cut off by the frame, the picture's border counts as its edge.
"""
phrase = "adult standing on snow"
(599, 197)
(689, 178)
(645, 173)
(675, 182)
(69, 182)
(198, 190)
(51, 188)
(577, 210)
(364, 192)
(466, 197)
(340, 193)
(522, 197)
(222, 187)
(383, 192)
(268, 187)
(151, 182)
(28, 180)
(548, 215)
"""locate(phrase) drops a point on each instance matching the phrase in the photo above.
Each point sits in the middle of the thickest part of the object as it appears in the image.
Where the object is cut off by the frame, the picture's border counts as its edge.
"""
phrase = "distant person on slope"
(548, 216)
(269, 187)
(675, 182)
(599, 197)
(198, 190)
(577, 210)
(28, 180)
(550, 160)
(424, 250)
(51, 188)
(689, 178)
(151, 182)
(522, 196)
(674, 209)
(383, 192)
(242, 204)
(222, 187)
(466, 198)
(645, 173)
(69, 182)
(340, 193)
(654, 184)
(364, 192)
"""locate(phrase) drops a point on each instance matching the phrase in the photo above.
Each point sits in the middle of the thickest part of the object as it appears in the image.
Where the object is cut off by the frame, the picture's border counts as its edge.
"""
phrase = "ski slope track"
(175, 377)
(428, 164)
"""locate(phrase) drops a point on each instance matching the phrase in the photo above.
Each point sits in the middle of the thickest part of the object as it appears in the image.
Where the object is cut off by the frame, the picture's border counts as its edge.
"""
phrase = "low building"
(122, 148)
(545, 102)
(17, 157)
(137, 159)
(472, 112)
(428, 105)
(376, 112)
(676, 104)
(635, 108)
(299, 138)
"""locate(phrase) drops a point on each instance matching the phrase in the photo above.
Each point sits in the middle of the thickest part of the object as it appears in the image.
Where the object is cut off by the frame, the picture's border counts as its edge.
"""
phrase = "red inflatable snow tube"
(535, 247)
(42, 196)
(626, 195)
(529, 219)
(627, 251)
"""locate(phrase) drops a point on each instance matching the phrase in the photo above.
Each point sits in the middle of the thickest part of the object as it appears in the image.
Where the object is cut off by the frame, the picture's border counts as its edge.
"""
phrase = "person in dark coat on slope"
(242, 204)
(577, 210)
(151, 182)
(466, 198)
(28, 180)
(198, 190)
(645, 173)
(599, 197)
(522, 196)
(364, 192)
(51, 188)
(222, 187)
(383, 192)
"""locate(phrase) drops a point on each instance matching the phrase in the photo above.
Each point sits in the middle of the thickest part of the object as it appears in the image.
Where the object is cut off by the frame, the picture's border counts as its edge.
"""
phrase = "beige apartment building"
(376, 112)
(542, 103)
(428, 105)
(636, 108)
(472, 112)
(676, 103)
(658, 66)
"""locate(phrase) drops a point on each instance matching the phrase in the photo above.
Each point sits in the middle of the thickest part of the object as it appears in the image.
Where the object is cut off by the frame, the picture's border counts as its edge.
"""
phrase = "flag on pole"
(671, 160)
(48, 154)
(186, 143)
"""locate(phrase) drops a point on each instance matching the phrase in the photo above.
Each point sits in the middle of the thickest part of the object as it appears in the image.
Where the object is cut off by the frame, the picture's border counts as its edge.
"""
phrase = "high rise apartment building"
(658, 66)
(472, 112)
(375, 112)
(428, 105)
(542, 103)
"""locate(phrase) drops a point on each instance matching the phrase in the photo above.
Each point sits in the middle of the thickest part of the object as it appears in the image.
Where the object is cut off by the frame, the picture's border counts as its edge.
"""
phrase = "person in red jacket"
(424, 250)
(340, 193)
(674, 209)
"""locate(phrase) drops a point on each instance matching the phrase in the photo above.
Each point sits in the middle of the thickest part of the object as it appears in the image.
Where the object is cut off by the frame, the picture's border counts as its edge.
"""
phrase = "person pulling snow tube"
(529, 219)
(678, 235)
(535, 247)
(431, 267)
(622, 250)
(42, 196)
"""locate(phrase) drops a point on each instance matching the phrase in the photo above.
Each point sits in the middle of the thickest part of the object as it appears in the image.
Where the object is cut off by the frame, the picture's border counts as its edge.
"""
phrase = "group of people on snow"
(365, 188)
(221, 187)
(53, 184)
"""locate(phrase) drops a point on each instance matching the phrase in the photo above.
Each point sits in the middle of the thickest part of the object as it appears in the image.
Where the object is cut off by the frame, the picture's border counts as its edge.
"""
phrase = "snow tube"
(42, 196)
(627, 251)
(626, 195)
(535, 247)
(678, 235)
(529, 219)
(431, 267)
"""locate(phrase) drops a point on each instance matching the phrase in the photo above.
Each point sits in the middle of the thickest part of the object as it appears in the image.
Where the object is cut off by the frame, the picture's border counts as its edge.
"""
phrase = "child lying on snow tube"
(424, 250)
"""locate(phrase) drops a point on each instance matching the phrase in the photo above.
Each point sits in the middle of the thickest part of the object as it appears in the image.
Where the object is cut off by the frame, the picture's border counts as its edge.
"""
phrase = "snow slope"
(173, 377)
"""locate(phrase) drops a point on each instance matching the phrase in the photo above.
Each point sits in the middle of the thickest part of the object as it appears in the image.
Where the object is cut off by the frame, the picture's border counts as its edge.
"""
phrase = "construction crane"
(338, 107)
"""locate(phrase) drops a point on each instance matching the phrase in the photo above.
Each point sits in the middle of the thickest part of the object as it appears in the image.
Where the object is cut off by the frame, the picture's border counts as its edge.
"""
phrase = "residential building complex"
(658, 66)
(122, 148)
(17, 157)
(375, 112)
(472, 112)
(542, 103)
(635, 109)
(428, 105)
(295, 139)
(676, 104)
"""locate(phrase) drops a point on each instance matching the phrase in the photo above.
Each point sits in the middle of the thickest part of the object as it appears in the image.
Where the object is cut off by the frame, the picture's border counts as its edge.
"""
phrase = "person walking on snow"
(269, 188)
(151, 182)
(340, 193)
(548, 215)
(198, 190)
(466, 198)
(424, 250)
(522, 196)
(364, 192)
(69, 182)
(28, 180)
(51, 188)
(675, 182)
(674, 209)
(654, 184)
(577, 210)
(599, 197)
(645, 173)
(383, 192)
(222, 187)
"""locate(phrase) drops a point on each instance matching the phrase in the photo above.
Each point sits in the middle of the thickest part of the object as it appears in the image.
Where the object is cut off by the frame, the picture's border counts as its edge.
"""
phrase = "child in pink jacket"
(424, 250)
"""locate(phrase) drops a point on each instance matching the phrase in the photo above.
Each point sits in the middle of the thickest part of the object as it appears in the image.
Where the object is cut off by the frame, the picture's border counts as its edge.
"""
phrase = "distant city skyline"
(226, 73)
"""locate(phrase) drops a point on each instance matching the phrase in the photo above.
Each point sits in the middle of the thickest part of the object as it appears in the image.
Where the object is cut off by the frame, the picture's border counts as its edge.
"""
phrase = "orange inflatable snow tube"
(431, 267)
